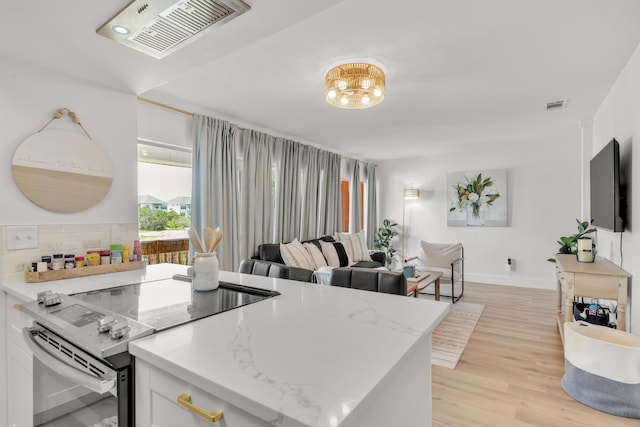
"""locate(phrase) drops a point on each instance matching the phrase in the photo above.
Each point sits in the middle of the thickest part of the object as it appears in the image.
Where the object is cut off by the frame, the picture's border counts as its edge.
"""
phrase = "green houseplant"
(569, 244)
(383, 237)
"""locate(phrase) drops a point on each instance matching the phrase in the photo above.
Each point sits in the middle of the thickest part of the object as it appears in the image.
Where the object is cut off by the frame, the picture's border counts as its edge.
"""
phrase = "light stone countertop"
(312, 356)
(29, 291)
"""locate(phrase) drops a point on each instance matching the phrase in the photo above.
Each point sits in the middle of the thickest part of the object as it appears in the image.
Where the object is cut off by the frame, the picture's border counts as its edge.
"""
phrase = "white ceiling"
(460, 72)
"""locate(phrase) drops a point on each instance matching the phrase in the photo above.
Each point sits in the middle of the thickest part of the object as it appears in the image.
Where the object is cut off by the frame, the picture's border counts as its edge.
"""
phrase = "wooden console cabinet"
(600, 279)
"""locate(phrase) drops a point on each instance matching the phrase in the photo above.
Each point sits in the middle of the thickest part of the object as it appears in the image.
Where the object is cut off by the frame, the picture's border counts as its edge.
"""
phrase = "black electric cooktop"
(166, 303)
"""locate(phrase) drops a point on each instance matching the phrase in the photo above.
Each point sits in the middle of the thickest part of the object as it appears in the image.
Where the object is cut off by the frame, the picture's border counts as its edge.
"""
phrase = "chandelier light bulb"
(344, 100)
(342, 85)
(366, 84)
(365, 99)
(377, 92)
(331, 94)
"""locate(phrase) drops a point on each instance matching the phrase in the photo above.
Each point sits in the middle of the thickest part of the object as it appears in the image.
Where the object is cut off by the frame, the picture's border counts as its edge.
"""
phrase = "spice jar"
(105, 257)
(79, 261)
(47, 259)
(93, 258)
(116, 254)
(137, 251)
(70, 261)
(58, 262)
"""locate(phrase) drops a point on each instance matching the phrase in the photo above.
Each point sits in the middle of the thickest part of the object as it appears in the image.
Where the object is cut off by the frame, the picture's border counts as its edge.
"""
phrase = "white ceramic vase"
(475, 218)
(204, 273)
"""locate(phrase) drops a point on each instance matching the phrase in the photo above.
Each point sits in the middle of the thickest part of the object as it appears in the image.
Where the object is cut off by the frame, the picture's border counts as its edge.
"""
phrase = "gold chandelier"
(354, 85)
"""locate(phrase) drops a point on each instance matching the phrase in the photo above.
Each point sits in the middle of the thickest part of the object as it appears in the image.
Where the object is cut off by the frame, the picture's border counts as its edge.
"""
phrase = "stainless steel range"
(79, 343)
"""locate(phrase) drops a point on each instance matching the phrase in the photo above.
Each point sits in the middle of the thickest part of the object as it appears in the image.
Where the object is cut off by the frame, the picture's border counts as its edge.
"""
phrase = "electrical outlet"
(510, 266)
(24, 237)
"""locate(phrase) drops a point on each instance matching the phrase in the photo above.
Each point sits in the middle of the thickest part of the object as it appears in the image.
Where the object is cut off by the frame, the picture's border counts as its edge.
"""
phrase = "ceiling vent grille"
(556, 105)
(161, 27)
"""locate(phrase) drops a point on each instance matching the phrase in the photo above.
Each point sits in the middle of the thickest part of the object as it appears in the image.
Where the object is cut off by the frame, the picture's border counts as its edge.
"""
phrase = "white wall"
(28, 99)
(619, 117)
(163, 125)
(544, 202)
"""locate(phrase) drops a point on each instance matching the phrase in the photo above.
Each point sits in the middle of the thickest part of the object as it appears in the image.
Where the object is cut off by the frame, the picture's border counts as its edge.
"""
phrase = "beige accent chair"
(443, 257)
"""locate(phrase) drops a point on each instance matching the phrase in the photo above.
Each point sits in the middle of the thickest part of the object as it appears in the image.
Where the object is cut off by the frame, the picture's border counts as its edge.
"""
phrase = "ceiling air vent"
(556, 105)
(161, 27)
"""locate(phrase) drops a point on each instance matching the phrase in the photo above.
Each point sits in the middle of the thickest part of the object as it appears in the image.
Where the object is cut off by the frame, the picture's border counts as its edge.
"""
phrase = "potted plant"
(383, 237)
(569, 244)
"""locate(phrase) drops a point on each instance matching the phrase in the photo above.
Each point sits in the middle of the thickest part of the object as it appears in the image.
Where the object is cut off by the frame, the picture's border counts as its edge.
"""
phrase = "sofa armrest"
(273, 269)
(300, 274)
(380, 257)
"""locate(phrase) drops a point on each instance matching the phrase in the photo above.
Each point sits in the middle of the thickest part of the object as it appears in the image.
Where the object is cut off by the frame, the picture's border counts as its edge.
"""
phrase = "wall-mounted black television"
(607, 198)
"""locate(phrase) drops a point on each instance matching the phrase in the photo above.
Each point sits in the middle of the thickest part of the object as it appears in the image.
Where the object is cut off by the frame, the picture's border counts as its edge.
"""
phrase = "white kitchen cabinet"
(20, 387)
(156, 403)
(3, 358)
(19, 368)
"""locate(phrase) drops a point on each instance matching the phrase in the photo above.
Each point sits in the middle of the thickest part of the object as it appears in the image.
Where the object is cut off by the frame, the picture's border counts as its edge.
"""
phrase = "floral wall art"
(477, 198)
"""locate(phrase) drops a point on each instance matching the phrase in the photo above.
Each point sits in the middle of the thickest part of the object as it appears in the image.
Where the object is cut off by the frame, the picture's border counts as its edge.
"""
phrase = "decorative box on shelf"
(70, 273)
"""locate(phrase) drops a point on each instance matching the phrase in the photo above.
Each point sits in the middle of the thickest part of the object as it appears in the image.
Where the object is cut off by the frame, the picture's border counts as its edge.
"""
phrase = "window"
(164, 190)
(346, 201)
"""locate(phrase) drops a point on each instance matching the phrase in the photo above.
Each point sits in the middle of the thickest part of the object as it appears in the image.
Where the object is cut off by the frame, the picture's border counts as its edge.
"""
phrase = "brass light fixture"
(354, 85)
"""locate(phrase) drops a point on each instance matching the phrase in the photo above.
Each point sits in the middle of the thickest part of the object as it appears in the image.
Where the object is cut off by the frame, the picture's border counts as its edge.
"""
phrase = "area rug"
(450, 337)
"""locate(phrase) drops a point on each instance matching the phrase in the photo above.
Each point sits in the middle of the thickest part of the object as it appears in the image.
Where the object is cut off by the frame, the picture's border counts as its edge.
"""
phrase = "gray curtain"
(330, 199)
(307, 191)
(256, 191)
(372, 204)
(321, 195)
(354, 202)
(312, 182)
(287, 157)
(214, 200)
(305, 202)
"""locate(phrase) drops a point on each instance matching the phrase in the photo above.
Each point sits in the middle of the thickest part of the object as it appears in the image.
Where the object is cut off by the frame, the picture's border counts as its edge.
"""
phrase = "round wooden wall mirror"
(62, 170)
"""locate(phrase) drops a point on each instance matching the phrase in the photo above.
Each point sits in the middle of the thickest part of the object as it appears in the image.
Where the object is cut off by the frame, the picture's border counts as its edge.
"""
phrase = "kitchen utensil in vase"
(195, 240)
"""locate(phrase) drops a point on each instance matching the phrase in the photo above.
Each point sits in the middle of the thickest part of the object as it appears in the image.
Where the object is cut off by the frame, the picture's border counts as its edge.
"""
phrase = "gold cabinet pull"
(184, 400)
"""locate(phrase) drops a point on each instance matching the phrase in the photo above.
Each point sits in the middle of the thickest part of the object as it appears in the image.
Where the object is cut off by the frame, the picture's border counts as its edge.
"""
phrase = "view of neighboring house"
(151, 202)
(180, 205)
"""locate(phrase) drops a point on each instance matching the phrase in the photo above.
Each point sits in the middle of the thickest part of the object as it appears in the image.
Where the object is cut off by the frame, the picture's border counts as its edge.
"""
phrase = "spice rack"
(70, 273)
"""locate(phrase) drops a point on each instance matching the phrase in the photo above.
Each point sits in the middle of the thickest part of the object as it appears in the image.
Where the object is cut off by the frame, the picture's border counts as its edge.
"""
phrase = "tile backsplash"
(64, 239)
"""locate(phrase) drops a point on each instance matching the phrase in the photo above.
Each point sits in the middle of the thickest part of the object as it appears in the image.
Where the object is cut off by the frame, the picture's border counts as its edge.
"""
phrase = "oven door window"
(59, 401)
(71, 387)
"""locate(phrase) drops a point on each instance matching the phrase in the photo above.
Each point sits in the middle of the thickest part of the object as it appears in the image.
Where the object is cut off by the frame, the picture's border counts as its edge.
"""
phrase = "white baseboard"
(524, 282)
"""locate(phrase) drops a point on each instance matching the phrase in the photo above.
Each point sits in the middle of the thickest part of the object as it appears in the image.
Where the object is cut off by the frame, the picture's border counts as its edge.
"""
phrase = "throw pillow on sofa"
(295, 255)
(335, 254)
(316, 255)
(355, 245)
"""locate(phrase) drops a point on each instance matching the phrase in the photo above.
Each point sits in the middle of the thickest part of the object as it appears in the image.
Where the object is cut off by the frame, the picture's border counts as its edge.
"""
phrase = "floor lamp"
(409, 194)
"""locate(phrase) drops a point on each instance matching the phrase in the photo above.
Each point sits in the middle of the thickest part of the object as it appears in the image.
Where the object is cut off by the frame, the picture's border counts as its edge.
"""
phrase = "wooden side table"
(598, 279)
(421, 280)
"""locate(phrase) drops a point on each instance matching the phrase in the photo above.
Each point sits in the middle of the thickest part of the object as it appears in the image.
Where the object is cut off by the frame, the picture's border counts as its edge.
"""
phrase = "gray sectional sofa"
(268, 261)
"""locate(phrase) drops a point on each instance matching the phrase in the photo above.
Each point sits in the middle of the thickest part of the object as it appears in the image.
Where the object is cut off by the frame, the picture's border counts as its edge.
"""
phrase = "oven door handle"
(99, 385)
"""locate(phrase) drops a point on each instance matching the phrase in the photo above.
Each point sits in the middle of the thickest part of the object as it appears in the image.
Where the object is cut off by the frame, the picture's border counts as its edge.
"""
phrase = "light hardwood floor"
(510, 372)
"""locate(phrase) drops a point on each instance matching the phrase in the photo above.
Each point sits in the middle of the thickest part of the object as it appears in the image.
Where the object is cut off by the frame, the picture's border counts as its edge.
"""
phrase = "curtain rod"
(168, 107)
(189, 113)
